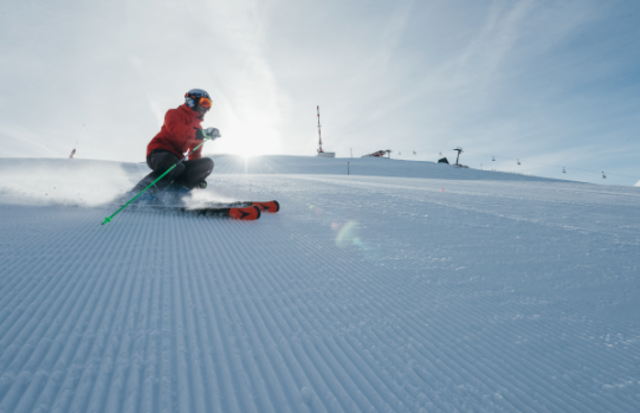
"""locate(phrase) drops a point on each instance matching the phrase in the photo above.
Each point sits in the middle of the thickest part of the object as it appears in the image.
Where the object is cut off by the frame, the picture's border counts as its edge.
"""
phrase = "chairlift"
(414, 152)
(493, 159)
(564, 171)
(603, 175)
(519, 162)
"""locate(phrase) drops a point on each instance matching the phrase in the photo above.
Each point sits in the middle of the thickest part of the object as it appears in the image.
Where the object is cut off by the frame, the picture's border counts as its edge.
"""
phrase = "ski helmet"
(197, 96)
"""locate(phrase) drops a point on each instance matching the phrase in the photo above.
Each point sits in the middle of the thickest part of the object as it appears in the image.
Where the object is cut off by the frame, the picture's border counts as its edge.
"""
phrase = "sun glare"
(248, 142)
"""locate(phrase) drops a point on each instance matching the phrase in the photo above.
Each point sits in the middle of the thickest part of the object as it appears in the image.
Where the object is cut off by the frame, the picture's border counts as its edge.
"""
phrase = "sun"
(247, 141)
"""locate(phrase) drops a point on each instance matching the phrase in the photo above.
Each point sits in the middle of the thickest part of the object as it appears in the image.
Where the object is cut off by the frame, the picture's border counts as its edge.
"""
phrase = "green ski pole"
(110, 217)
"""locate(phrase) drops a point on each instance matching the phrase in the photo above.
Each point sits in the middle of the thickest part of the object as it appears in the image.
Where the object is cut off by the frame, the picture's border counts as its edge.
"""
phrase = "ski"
(269, 206)
(247, 213)
(241, 210)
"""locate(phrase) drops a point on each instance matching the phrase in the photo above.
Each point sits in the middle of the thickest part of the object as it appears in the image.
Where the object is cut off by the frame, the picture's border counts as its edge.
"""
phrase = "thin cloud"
(528, 77)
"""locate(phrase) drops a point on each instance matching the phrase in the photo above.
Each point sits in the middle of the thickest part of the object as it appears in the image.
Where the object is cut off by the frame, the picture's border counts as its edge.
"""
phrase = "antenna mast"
(319, 133)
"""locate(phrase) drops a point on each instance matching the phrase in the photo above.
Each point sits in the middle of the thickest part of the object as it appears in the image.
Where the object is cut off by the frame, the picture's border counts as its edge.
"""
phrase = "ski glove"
(209, 133)
(213, 133)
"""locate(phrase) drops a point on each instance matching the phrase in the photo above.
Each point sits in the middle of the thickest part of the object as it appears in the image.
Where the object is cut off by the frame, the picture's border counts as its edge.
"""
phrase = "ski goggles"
(204, 102)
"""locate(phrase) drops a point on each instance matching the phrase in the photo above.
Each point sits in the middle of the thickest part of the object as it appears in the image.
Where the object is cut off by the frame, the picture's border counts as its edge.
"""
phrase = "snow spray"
(110, 217)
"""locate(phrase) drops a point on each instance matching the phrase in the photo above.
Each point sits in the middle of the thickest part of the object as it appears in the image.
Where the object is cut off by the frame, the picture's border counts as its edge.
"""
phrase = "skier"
(180, 133)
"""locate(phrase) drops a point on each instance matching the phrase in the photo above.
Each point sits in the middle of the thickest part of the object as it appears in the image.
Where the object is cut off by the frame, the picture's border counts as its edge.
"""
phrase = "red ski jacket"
(178, 133)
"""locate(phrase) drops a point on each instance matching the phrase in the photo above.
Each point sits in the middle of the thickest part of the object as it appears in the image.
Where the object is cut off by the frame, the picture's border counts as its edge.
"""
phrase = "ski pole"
(108, 219)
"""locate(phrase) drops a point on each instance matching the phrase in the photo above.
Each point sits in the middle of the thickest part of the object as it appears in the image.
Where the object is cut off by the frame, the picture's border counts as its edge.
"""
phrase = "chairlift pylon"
(459, 150)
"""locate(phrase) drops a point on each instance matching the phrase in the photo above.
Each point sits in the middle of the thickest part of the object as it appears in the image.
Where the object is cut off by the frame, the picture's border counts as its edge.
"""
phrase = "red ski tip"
(271, 206)
(246, 213)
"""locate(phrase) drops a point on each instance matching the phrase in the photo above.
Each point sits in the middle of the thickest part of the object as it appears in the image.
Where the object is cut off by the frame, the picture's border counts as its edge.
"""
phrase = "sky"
(548, 84)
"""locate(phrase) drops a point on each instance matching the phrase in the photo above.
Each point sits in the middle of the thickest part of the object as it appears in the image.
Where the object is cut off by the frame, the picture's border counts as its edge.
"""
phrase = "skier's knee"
(208, 164)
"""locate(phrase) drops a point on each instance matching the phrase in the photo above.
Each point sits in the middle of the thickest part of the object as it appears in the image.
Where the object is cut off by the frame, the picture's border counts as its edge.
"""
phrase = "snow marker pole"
(108, 219)
(73, 152)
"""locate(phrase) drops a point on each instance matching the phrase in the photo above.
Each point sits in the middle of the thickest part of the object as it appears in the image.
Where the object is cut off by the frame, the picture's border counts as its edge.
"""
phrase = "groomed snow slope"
(407, 287)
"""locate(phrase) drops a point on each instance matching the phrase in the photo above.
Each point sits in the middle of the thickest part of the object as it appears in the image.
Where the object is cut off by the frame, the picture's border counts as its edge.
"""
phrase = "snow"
(403, 287)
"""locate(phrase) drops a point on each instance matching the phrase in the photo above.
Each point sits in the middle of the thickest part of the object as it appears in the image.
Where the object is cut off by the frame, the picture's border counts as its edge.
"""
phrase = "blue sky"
(551, 83)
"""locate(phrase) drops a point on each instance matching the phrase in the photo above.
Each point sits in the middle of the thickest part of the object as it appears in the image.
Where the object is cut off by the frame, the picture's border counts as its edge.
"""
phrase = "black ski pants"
(188, 173)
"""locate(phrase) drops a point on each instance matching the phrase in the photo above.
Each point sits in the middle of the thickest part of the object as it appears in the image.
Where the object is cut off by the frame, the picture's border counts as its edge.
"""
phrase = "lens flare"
(348, 235)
